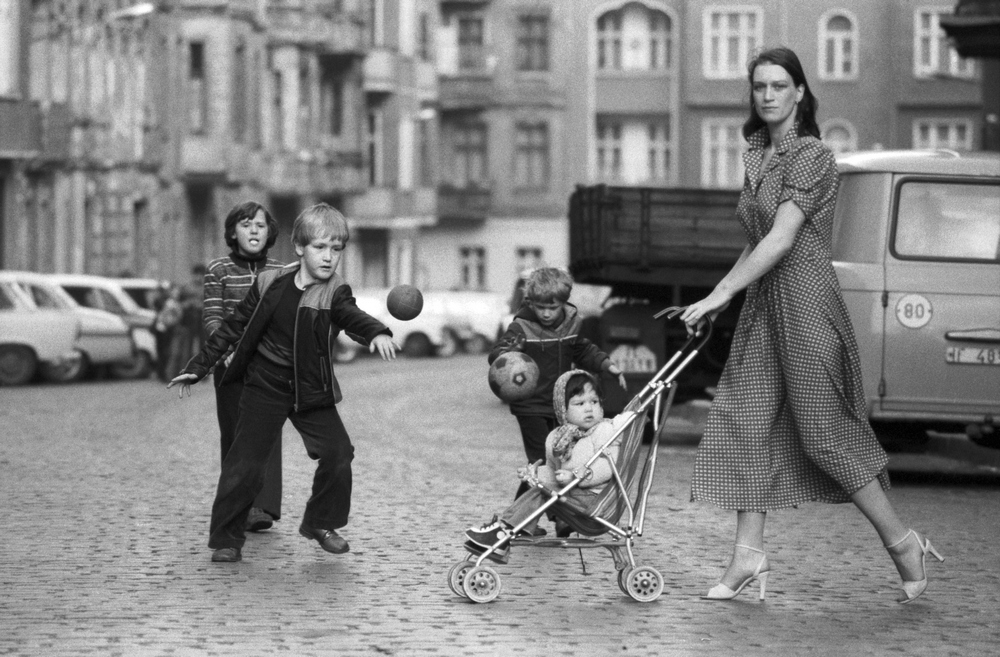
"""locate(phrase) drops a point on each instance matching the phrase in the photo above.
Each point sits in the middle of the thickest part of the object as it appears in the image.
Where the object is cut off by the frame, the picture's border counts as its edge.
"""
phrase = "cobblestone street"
(107, 489)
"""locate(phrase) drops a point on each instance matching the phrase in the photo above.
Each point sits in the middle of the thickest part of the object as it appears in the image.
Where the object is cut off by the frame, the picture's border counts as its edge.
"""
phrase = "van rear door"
(942, 301)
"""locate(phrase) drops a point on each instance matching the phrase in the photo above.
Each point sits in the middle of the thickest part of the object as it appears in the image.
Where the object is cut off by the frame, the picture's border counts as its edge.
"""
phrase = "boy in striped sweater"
(249, 231)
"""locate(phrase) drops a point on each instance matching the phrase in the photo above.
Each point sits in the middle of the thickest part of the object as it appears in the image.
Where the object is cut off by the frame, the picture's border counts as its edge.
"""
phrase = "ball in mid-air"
(513, 376)
(404, 302)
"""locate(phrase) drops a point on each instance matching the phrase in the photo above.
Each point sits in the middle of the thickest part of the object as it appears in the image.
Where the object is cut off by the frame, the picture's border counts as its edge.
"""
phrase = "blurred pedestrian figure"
(168, 316)
(789, 423)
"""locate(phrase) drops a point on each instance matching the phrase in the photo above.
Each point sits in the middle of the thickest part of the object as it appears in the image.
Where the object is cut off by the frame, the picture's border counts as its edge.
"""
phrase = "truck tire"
(17, 365)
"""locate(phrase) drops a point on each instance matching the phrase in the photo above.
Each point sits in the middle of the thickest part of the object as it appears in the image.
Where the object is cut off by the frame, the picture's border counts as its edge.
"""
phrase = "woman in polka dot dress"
(789, 423)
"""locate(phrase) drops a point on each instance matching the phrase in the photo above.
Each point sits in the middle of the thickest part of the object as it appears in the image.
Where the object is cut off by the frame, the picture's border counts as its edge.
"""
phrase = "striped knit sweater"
(227, 281)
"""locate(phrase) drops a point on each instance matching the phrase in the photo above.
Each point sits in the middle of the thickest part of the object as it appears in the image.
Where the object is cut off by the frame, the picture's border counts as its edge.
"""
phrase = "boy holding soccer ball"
(284, 331)
(547, 328)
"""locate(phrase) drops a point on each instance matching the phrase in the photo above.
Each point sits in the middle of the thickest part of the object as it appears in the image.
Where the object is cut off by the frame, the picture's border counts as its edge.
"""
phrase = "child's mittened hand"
(386, 346)
(564, 476)
(616, 371)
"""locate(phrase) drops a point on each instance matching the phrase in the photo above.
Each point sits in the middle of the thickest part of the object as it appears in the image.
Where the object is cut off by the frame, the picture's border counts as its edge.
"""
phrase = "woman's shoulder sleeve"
(810, 176)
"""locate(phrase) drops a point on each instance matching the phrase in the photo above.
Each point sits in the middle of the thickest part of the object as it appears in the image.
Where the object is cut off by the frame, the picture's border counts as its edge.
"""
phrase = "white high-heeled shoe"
(722, 592)
(913, 589)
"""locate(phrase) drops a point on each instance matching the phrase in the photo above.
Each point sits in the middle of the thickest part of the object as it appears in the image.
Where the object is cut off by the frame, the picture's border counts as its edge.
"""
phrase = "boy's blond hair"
(320, 220)
(548, 284)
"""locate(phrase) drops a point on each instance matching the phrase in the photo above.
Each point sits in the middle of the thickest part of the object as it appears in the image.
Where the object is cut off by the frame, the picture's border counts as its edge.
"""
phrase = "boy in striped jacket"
(249, 231)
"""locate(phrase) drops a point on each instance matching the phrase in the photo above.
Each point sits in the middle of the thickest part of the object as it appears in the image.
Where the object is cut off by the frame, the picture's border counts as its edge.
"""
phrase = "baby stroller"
(619, 510)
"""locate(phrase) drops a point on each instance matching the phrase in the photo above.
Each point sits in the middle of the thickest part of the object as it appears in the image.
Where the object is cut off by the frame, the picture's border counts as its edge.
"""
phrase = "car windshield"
(948, 221)
(45, 296)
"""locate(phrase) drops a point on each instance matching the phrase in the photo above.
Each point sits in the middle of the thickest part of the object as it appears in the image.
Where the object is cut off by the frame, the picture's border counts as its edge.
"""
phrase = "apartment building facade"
(157, 117)
(539, 96)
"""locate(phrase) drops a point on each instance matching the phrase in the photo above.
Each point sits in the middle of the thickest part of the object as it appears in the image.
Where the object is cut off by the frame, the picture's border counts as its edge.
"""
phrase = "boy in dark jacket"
(284, 332)
(547, 328)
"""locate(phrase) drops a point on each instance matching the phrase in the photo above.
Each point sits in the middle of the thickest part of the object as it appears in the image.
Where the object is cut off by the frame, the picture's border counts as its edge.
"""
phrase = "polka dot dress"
(789, 422)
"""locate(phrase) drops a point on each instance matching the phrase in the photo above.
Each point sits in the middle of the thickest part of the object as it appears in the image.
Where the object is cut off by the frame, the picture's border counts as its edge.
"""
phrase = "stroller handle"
(701, 335)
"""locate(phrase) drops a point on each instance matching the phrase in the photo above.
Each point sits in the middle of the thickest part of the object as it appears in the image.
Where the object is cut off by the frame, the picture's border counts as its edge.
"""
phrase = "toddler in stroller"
(582, 432)
(591, 482)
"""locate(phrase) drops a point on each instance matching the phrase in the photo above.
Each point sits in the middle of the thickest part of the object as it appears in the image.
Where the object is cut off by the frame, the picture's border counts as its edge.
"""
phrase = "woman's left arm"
(769, 251)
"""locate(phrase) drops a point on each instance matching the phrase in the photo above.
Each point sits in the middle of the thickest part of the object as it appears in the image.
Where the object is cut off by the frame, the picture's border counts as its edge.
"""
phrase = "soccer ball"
(513, 376)
(404, 302)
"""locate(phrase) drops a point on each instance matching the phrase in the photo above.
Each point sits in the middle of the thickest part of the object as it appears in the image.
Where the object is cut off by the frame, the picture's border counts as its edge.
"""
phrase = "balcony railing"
(471, 203)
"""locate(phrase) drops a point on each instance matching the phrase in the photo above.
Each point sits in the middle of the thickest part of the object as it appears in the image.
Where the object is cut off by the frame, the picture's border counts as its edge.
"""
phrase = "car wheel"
(477, 344)
(139, 367)
(417, 345)
(17, 365)
(66, 371)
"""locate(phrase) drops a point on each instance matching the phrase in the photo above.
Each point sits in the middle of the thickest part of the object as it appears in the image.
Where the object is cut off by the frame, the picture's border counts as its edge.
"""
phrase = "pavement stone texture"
(107, 488)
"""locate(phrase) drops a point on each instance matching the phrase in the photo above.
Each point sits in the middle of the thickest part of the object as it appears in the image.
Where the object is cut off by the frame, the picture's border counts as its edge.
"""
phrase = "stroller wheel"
(457, 575)
(643, 583)
(481, 584)
(622, 575)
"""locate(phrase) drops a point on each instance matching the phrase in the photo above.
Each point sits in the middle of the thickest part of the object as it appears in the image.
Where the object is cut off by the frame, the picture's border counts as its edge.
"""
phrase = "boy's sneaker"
(501, 555)
(487, 535)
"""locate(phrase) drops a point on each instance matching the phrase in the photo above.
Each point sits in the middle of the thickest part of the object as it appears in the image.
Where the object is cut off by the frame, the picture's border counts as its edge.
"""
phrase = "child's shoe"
(487, 535)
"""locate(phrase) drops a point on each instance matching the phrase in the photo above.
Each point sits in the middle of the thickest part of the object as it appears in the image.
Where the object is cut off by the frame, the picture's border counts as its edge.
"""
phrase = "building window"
(955, 134)
(424, 45)
(838, 39)
(531, 156)
(528, 258)
(278, 109)
(471, 44)
(722, 153)
(469, 155)
(472, 267)
(10, 47)
(305, 128)
(731, 36)
(533, 43)
(659, 151)
(660, 41)
(932, 55)
(240, 93)
(839, 135)
(609, 150)
(609, 41)
(331, 99)
(197, 91)
(425, 142)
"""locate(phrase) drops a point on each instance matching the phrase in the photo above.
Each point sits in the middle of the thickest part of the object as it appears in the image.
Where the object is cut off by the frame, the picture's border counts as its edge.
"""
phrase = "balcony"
(464, 203)
(381, 71)
(315, 22)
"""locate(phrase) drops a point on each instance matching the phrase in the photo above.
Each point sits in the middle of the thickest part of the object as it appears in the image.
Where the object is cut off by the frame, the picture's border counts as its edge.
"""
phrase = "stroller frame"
(472, 578)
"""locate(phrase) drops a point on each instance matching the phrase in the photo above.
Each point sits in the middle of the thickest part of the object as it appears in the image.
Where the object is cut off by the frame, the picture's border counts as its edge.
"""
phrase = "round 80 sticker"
(913, 311)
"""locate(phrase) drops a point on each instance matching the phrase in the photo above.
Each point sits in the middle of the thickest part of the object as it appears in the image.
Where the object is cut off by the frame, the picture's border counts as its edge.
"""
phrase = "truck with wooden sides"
(655, 247)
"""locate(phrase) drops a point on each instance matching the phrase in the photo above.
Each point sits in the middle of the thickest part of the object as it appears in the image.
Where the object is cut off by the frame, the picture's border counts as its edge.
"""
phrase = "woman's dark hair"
(249, 210)
(805, 113)
(576, 383)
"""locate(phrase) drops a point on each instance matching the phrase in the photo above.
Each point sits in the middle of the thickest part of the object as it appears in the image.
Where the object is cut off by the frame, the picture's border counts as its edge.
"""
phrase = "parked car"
(916, 247)
(473, 317)
(31, 337)
(142, 290)
(108, 294)
(104, 339)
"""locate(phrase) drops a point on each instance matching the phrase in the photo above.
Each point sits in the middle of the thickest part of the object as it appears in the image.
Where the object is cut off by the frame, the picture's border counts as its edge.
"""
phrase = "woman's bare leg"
(875, 505)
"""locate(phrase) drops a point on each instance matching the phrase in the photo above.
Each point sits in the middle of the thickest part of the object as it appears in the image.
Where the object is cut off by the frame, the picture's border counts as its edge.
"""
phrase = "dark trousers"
(534, 430)
(268, 400)
(227, 408)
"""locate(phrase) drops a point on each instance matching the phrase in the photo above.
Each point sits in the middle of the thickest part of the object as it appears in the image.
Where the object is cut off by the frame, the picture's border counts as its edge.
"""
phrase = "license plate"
(972, 356)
